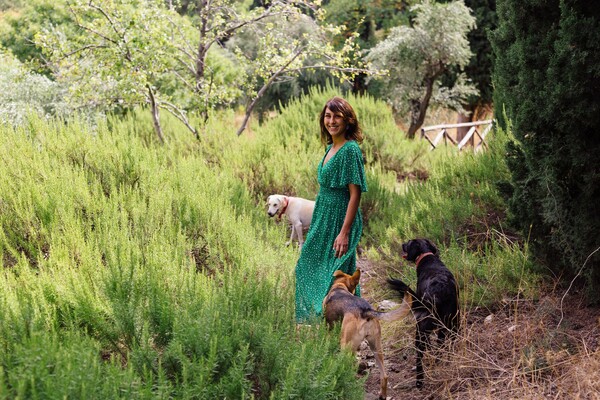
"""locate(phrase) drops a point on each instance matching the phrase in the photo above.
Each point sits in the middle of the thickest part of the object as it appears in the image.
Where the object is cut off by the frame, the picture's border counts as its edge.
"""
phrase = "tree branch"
(180, 115)
(108, 18)
(264, 88)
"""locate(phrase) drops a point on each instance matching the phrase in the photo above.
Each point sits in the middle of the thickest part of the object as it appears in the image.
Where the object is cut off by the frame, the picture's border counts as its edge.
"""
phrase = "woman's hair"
(339, 105)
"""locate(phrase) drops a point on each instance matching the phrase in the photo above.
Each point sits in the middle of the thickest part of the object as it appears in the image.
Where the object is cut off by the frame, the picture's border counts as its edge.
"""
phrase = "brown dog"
(359, 320)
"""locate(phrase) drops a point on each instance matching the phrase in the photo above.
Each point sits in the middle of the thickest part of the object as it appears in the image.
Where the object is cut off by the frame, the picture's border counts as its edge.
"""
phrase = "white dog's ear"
(269, 199)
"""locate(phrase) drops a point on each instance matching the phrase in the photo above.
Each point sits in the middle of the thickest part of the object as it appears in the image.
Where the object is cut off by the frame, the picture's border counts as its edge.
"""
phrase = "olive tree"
(132, 52)
(417, 56)
(23, 91)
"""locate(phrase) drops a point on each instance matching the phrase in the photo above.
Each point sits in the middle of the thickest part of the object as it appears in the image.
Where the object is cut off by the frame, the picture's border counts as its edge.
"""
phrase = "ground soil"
(519, 349)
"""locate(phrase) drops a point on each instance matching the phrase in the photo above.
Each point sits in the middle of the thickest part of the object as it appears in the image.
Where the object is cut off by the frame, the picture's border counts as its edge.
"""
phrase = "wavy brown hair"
(353, 130)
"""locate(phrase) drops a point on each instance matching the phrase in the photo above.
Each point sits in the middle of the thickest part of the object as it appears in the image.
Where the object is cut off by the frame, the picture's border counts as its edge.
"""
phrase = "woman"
(336, 225)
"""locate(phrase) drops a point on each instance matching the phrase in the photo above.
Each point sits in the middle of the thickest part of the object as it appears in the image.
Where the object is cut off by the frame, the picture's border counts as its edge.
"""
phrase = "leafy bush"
(546, 91)
(158, 267)
(23, 92)
(132, 260)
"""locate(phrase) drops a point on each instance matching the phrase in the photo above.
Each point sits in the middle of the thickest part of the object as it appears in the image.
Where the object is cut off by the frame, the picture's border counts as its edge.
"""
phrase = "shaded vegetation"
(547, 87)
(157, 269)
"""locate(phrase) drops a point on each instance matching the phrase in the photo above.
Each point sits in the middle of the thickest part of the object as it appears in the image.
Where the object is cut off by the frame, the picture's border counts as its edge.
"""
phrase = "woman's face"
(334, 123)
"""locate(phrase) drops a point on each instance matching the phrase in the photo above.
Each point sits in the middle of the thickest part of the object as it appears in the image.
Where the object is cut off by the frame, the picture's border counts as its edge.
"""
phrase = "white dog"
(298, 210)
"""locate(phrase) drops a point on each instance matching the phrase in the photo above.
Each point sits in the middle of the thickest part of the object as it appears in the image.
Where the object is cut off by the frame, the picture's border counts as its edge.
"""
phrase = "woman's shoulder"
(353, 143)
(352, 146)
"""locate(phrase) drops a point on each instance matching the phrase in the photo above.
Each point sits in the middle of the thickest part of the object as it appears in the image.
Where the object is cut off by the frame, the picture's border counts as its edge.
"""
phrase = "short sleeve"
(349, 168)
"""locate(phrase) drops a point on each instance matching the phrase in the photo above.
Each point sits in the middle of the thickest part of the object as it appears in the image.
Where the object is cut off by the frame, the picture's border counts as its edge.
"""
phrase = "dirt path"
(398, 359)
(529, 349)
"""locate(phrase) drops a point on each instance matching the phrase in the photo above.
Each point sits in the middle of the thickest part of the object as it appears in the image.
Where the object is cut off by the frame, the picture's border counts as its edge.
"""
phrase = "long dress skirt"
(317, 262)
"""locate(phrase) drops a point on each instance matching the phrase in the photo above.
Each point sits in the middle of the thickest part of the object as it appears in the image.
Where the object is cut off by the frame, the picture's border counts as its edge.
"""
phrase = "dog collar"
(285, 205)
(418, 260)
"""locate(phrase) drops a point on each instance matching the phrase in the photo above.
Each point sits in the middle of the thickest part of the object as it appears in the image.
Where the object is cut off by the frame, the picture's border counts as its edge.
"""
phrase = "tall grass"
(129, 273)
(448, 196)
(135, 270)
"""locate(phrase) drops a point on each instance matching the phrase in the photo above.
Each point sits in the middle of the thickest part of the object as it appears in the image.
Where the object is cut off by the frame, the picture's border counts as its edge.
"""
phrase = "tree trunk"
(155, 115)
(419, 109)
(252, 104)
(359, 84)
(203, 47)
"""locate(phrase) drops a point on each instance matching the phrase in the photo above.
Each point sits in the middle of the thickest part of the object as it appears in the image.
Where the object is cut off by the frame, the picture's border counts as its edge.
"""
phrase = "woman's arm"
(340, 244)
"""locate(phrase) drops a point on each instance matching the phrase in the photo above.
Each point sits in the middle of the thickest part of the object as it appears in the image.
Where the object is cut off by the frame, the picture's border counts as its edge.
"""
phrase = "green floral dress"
(317, 262)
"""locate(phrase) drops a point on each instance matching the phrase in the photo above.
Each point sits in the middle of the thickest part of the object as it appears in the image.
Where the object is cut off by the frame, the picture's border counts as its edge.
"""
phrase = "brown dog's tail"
(396, 314)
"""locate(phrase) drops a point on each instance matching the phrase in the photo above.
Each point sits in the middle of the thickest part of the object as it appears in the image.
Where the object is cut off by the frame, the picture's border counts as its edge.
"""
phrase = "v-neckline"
(323, 163)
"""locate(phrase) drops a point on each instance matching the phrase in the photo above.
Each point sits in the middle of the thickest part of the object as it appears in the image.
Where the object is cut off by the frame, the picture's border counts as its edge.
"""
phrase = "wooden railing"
(473, 136)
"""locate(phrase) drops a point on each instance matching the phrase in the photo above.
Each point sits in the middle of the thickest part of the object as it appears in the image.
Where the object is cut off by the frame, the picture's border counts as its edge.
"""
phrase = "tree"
(20, 23)
(130, 52)
(416, 57)
(547, 93)
(23, 91)
(287, 47)
(370, 20)
(122, 54)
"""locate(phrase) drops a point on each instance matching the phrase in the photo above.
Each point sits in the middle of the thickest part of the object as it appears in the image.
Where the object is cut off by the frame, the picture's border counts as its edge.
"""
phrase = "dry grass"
(519, 352)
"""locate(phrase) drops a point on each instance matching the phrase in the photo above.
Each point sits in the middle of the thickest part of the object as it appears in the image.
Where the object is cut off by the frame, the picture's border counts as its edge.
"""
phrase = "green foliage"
(372, 20)
(355, 16)
(129, 273)
(460, 208)
(291, 168)
(546, 80)
(158, 270)
(21, 22)
(127, 54)
(455, 202)
(23, 92)
(43, 366)
(119, 54)
(416, 57)
(479, 68)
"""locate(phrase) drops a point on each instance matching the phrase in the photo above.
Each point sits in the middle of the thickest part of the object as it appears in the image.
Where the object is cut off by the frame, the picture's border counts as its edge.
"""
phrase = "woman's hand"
(340, 244)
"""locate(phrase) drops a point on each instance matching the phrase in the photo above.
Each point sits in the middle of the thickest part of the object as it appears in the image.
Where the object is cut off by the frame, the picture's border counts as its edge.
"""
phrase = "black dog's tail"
(401, 287)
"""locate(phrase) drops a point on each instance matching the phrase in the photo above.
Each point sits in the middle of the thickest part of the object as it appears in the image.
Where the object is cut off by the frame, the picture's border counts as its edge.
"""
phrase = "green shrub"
(140, 262)
(546, 80)
(158, 266)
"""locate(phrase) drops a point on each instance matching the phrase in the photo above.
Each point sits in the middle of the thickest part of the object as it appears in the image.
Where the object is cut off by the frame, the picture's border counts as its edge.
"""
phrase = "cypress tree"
(547, 92)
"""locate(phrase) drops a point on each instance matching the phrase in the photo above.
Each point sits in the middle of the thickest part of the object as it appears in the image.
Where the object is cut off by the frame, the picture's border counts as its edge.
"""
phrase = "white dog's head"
(275, 202)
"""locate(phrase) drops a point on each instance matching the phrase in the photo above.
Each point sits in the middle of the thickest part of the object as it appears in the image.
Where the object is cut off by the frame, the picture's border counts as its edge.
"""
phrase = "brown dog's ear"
(356, 276)
(338, 273)
(353, 281)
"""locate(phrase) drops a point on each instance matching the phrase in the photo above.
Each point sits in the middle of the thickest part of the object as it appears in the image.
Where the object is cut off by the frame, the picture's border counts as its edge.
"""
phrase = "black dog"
(435, 304)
